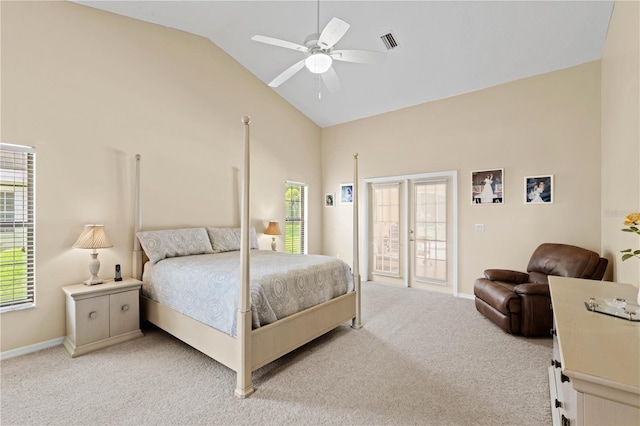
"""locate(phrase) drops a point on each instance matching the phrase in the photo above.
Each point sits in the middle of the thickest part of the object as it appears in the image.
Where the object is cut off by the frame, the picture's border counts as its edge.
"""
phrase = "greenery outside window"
(17, 227)
(295, 218)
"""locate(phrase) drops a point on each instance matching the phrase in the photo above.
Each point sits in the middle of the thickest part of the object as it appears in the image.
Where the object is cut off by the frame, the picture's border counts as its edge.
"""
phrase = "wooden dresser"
(594, 378)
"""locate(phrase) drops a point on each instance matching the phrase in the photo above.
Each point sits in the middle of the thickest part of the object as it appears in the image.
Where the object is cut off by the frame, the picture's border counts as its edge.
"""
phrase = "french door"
(428, 232)
(411, 231)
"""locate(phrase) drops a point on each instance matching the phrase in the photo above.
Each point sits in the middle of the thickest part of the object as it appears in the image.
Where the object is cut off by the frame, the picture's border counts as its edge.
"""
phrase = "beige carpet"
(422, 358)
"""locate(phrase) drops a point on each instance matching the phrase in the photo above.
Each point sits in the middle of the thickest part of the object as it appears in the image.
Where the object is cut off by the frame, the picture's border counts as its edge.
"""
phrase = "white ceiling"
(446, 48)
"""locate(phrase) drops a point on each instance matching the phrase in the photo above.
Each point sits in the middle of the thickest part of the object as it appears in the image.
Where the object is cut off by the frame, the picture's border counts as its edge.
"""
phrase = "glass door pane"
(386, 229)
(430, 229)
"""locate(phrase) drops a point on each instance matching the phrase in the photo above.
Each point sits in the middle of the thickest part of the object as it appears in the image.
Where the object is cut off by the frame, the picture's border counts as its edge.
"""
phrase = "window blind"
(17, 226)
(295, 218)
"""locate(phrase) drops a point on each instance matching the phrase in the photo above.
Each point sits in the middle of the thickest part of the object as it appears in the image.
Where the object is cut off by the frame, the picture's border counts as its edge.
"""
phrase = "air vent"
(389, 40)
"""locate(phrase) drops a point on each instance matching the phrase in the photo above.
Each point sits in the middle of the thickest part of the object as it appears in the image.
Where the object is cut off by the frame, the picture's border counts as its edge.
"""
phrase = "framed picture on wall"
(538, 189)
(329, 199)
(487, 187)
(346, 193)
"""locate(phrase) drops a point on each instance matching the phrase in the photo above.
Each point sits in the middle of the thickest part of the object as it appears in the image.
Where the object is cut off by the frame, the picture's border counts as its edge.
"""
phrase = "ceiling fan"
(320, 53)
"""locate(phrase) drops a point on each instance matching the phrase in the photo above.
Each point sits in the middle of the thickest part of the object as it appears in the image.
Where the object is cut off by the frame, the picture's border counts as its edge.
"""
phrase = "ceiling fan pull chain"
(316, 80)
(318, 26)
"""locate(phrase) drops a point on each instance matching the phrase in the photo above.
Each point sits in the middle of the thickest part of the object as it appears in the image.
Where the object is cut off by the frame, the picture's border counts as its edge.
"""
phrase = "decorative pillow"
(163, 244)
(228, 239)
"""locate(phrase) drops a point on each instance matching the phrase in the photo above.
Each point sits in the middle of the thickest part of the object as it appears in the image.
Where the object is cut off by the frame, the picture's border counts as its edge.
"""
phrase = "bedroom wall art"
(487, 186)
(538, 189)
(346, 193)
(329, 199)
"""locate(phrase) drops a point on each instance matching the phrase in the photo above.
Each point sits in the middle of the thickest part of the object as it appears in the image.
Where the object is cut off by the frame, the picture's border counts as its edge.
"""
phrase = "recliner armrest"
(532, 289)
(506, 275)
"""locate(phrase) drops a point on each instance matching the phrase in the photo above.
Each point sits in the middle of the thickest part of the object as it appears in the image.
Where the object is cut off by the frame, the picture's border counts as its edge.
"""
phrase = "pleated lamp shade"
(93, 237)
(273, 229)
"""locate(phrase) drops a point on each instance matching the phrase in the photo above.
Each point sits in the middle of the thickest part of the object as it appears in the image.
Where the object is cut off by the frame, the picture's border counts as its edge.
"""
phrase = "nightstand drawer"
(125, 312)
(92, 320)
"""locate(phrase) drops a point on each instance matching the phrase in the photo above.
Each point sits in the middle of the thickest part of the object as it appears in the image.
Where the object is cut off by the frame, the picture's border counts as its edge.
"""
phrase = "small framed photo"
(538, 189)
(346, 193)
(329, 199)
(487, 187)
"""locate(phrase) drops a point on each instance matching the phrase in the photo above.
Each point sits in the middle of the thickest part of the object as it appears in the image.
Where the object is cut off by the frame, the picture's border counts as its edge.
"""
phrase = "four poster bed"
(261, 336)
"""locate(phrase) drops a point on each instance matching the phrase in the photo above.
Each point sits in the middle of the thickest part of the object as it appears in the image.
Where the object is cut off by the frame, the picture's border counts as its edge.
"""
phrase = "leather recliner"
(519, 302)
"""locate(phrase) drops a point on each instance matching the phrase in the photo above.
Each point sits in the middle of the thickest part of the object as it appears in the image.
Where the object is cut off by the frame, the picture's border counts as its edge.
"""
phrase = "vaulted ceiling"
(445, 48)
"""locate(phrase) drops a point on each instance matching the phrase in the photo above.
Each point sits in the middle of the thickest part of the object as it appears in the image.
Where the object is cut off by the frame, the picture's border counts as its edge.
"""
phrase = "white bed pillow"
(228, 239)
(167, 243)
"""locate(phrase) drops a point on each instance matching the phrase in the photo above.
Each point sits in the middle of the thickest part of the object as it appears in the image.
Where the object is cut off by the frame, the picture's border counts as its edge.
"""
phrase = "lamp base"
(273, 244)
(94, 267)
(94, 280)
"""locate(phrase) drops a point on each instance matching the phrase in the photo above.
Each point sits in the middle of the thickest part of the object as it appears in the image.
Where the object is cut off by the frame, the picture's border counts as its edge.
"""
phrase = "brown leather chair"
(519, 302)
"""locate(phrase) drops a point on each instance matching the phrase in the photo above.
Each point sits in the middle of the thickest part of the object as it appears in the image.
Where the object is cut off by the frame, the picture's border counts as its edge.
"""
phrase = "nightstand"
(101, 315)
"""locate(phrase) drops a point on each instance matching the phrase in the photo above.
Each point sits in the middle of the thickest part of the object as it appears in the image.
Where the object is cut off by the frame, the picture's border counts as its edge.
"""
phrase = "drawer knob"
(93, 314)
(556, 363)
(125, 308)
(558, 404)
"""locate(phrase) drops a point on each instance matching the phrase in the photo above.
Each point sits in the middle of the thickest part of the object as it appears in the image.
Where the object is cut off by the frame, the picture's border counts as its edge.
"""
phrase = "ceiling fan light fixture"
(318, 63)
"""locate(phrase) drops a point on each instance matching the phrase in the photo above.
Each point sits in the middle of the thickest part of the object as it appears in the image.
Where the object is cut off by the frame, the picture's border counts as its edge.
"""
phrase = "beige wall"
(89, 90)
(621, 137)
(548, 124)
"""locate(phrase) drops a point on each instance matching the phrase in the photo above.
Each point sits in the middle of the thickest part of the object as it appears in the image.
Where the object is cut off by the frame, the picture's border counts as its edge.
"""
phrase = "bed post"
(137, 225)
(357, 321)
(244, 386)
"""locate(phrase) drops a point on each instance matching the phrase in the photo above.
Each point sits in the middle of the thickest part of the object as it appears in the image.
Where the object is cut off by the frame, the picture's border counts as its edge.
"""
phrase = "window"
(295, 222)
(17, 230)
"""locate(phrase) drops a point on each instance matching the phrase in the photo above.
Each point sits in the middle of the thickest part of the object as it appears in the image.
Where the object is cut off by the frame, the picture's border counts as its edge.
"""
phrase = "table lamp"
(93, 237)
(273, 229)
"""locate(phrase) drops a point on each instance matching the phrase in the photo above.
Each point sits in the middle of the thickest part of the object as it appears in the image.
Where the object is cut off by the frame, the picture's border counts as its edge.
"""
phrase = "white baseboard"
(31, 348)
(466, 296)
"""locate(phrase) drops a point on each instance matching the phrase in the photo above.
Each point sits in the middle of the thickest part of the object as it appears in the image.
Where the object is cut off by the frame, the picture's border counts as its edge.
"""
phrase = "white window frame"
(303, 217)
(22, 219)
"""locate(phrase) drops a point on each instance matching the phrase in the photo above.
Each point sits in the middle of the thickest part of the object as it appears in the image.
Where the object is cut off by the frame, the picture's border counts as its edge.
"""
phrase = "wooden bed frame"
(252, 349)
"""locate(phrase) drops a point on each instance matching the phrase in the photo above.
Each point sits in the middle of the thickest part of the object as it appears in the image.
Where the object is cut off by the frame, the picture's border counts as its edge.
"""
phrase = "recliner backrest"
(566, 261)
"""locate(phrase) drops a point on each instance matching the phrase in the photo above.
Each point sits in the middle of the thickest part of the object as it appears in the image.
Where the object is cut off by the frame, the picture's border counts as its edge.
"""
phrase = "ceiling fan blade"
(287, 74)
(331, 80)
(279, 43)
(332, 33)
(359, 56)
